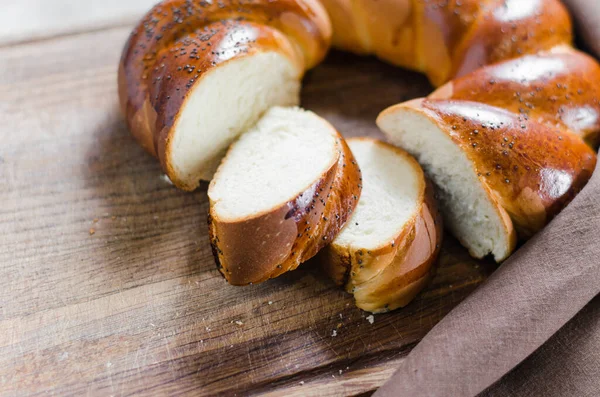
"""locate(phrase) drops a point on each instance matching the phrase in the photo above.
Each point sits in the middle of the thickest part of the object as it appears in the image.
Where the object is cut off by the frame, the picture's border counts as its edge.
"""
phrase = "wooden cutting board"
(107, 282)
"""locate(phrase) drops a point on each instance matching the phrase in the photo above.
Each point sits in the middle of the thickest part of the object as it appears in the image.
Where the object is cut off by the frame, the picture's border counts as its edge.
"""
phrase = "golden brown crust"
(413, 257)
(179, 41)
(383, 28)
(559, 88)
(390, 276)
(448, 38)
(534, 171)
(265, 246)
(444, 26)
(507, 29)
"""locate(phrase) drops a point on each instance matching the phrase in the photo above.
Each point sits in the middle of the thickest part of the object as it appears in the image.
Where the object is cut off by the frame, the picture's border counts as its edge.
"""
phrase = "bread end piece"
(388, 272)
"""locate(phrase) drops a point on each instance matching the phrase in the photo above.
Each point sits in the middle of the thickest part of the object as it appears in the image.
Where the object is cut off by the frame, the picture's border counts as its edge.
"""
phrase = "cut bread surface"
(284, 190)
(470, 210)
(280, 157)
(392, 186)
(227, 101)
(386, 253)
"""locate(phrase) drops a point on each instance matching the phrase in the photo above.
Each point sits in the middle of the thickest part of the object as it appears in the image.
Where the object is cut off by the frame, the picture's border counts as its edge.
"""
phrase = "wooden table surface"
(108, 286)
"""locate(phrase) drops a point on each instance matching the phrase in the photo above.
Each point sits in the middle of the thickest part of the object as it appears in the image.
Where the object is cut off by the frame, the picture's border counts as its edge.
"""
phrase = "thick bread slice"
(496, 171)
(385, 255)
(283, 192)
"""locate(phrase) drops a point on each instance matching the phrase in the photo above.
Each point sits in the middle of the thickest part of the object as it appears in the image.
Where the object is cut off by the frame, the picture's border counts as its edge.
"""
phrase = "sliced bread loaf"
(499, 174)
(284, 190)
(385, 255)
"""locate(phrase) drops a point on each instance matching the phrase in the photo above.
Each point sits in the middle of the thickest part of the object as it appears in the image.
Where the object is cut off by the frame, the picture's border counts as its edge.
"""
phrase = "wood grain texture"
(26, 20)
(108, 283)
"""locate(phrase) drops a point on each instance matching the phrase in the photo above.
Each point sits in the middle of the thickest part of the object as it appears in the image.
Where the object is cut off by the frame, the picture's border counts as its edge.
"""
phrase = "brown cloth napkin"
(521, 307)
(526, 301)
(567, 365)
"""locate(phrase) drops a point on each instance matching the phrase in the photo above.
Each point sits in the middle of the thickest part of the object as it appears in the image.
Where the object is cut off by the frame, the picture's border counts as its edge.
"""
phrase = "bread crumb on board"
(92, 231)
(334, 333)
(371, 319)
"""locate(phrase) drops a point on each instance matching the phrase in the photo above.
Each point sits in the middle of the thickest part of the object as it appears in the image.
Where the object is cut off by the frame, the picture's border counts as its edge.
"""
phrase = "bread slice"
(385, 255)
(498, 173)
(226, 102)
(283, 191)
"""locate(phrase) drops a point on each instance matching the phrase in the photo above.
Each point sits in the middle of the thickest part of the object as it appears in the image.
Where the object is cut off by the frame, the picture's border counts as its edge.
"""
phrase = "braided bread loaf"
(505, 144)
(503, 138)
(448, 38)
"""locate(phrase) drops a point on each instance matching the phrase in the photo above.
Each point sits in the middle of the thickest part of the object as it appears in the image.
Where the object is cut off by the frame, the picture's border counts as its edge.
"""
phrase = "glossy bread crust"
(390, 276)
(179, 41)
(532, 170)
(249, 251)
(448, 38)
(559, 88)
(507, 29)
